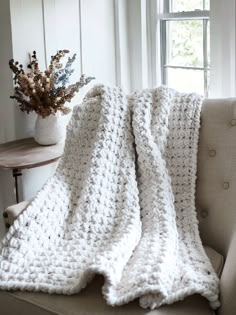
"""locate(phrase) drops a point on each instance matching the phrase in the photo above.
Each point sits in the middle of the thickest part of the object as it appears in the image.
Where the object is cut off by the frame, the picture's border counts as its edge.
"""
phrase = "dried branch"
(45, 92)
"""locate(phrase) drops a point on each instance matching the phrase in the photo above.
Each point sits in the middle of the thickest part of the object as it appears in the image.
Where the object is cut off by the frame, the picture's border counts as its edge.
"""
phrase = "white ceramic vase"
(49, 130)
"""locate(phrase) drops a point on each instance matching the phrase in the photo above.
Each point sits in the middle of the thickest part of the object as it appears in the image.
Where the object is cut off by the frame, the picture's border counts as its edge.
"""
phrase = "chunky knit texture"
(121, 204)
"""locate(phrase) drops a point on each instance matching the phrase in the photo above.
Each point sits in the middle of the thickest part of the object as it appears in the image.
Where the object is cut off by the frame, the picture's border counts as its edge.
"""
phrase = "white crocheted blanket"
(120, 204)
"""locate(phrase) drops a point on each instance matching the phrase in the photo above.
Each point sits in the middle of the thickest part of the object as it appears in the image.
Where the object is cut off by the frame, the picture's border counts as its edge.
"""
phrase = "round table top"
(26, 153)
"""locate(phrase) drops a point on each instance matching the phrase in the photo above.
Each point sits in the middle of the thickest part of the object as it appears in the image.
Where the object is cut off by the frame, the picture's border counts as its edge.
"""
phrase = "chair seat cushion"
(90, 301)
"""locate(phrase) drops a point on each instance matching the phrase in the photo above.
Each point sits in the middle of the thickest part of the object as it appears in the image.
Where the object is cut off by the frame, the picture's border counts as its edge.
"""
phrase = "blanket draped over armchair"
(121, 204)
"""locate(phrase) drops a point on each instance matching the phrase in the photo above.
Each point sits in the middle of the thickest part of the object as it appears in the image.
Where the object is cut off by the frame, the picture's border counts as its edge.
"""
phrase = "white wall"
(7, 125)
(85, 27)
(6, 106)
(98, 40)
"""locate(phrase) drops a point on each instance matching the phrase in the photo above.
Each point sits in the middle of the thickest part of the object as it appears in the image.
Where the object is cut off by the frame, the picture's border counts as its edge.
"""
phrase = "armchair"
(215, 203)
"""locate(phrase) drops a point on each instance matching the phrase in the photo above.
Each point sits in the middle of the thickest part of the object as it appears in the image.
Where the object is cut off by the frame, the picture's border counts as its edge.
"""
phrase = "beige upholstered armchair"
(216, 206)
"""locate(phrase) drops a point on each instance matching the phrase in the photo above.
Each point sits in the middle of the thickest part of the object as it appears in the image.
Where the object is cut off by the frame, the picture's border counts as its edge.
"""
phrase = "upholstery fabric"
(228, 281)
(216, 177)
(14, 211)
(91, 302)
(72, 230)
(216, 189)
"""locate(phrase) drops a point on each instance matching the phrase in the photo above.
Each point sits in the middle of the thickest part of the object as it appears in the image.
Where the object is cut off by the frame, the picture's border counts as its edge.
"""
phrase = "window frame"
(166, 16)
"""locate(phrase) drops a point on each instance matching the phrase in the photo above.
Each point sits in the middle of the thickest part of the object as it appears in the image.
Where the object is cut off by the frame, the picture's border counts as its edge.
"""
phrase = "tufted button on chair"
(216, 208)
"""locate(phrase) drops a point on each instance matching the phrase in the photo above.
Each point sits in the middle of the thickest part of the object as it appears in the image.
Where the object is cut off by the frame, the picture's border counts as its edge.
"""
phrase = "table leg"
(16, 172)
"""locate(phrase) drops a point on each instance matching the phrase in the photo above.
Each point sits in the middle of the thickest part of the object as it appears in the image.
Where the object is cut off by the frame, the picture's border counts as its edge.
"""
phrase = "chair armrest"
(228, 281)
(12, 212)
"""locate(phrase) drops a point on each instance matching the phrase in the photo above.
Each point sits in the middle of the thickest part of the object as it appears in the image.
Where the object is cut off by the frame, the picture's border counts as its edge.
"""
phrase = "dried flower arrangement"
(45, 92)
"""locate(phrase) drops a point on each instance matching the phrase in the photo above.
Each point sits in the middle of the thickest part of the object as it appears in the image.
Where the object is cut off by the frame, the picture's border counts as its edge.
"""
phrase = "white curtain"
(223, 54)
(136, 40)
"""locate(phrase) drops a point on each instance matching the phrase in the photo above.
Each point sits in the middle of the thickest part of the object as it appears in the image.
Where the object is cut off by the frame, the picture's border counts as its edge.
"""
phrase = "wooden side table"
(25, 154)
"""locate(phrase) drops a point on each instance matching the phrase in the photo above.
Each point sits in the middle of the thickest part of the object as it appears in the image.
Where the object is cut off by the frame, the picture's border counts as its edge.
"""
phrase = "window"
(185, 48)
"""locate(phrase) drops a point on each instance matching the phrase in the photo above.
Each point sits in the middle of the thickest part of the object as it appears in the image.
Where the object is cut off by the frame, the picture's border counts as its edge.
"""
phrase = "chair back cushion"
(216, 178)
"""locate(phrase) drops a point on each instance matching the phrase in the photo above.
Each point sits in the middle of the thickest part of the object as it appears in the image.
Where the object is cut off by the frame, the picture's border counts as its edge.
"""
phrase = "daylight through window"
(185, 48)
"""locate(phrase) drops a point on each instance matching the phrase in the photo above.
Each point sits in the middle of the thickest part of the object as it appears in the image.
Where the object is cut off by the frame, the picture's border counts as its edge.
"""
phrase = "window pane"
(208, 44)
(185, 43)
(189, 5)
(186, 80)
